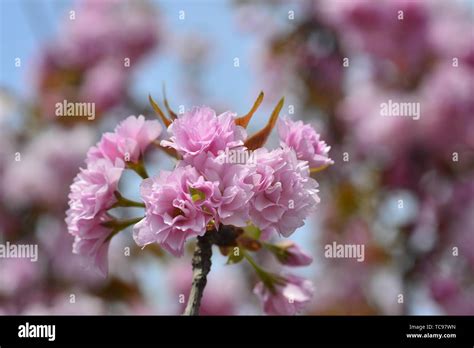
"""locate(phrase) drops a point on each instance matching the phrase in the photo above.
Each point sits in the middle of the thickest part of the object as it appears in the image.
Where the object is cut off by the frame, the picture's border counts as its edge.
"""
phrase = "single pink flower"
(285, 194)
(285, 299)
(93, 189)
(200, 130)
(305, 141)
(92, 194)
(128, 142)
(235, 188)
(94, 245)
(179, 205)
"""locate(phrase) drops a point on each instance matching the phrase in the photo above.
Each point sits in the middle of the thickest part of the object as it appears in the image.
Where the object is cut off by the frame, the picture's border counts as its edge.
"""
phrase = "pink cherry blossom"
(110, 27)
(287, 299)
(446, 34)
(17, 274)
(93, 189)
(105, 84)
(48, 164)
(174, 212)
(94, 245)
(361, 111)
(128, 142)
(59, 304)
(305, 141)
(366, 25)
(82, 64)
(92, 194)
(200, 130)
(235, 189)
(55, 245)
(293, 255)
(284, 192)
(447, 99)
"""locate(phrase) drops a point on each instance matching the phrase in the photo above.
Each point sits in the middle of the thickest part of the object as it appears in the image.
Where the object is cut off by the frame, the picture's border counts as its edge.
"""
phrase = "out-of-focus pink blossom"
(306, 62)
(452, 294)
(105, 84)
(55, 246)
(365, 26)
(179, 205)
(17, 274)
(461, 220)
(62, 304)
(43, 170)
(305, 141)
(284, 193)
(447, 272)
(287, 299)
(447, 34)
(362, 111)
(447, 105)
(108, 27)
(94, 246)
(93, 59)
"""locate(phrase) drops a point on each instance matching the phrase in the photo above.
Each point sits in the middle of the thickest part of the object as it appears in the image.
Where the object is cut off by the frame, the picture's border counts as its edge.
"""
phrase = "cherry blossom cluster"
(266, 196)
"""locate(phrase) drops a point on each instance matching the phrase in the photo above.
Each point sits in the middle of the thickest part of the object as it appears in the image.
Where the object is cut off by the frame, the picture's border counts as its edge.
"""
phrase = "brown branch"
(201, 267)
(225, 236)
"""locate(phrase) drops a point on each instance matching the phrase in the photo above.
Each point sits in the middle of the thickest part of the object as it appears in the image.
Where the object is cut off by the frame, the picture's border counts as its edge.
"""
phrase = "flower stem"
(139, 168)
(260, 271)
(119, 225)
(125, 202)
(268, 279)
(279, 252)
(122, 224)
(201, 267)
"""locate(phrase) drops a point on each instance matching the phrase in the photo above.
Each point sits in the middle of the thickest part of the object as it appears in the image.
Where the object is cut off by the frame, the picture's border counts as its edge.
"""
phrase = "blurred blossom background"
(402, 187)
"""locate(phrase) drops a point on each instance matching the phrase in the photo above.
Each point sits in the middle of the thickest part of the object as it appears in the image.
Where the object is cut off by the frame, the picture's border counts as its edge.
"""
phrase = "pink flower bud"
(287, 299)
